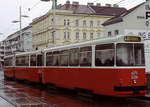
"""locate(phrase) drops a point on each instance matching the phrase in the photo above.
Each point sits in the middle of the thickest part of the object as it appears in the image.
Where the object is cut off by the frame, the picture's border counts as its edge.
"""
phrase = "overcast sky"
(9, 11)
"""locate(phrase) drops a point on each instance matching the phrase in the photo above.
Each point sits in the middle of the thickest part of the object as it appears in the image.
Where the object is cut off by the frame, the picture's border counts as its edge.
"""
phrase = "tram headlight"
(134, 81)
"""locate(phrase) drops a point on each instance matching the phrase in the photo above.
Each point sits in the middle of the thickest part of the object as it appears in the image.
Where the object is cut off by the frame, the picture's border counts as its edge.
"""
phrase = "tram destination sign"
(132, 39)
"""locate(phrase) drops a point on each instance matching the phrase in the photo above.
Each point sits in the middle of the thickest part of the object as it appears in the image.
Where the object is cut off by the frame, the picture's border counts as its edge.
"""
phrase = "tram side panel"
(65, 78)
(49, 76)
(131, 82)
(99, 81)
(9, 72)
(33, 74)
(61, 77)
(20, 73)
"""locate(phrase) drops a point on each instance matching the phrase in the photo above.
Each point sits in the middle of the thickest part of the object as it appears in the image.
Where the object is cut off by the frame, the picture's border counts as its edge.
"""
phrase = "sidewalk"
(4, 103)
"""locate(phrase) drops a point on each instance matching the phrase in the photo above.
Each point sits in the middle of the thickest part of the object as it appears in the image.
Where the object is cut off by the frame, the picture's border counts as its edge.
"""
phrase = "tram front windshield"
(130, 54)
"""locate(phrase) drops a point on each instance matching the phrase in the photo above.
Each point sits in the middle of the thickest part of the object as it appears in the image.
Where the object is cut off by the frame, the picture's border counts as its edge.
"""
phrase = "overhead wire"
(29, 9)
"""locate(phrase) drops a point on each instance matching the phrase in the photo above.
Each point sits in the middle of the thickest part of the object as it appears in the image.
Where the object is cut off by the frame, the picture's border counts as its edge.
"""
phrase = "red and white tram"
(112, 66)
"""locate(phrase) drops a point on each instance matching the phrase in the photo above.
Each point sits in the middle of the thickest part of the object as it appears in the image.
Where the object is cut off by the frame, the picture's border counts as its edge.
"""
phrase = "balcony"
(1, 60)
(1, 50)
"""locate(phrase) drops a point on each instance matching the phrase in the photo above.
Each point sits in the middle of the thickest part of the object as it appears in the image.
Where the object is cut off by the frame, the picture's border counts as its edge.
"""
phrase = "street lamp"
(20, 21)
(54, 20)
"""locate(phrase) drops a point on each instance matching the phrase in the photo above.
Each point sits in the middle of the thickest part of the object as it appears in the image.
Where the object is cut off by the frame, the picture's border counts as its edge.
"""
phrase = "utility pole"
(54, 20)
(20, 31)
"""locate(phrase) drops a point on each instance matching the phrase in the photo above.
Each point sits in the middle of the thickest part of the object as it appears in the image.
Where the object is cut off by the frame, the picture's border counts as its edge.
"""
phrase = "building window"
(68, 35)
(52, 35)
(84, 22)
(91, 36)
(76, 22)
(116, 32)
(65, 36)
(98, 24)
(68, 22)
(84, 35)
(77, 35)
(109, 34)
(98, 35)
(64, 22)
(52, 21)
(91, 23)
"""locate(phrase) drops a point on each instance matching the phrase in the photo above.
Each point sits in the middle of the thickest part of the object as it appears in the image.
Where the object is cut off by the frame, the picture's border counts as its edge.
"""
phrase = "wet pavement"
(14, 94)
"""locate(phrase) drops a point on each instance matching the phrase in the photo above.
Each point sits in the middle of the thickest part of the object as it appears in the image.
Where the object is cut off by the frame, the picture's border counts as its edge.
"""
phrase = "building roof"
(108, 11)
(80, 9)
(86, 9)
(119, 18)
(92, 9)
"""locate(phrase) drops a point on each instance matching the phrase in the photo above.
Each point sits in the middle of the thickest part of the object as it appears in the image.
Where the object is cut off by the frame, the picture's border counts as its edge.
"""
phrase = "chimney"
(108, 5)
(90, 4)
(67, 4)
(75, 4)
(115, 5)
(60, 5)
(98, 4)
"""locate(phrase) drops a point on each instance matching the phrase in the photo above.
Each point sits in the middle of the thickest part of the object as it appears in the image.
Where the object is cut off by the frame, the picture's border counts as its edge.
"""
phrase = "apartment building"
(74, 23)
(19, 43)
(1, 54)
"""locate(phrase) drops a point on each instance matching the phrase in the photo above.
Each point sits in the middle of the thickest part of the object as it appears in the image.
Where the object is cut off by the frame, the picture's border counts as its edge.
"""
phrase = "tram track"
(9, 90)
(145, 99)
(10, 95)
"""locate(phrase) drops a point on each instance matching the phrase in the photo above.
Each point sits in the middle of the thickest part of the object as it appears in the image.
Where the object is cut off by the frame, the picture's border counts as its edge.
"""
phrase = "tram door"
(39, 60)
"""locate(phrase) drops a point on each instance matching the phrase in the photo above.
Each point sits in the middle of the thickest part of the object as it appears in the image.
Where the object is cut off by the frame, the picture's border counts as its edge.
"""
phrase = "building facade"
(74, 23)
(19, 43)
(1, 54)
(135, 21)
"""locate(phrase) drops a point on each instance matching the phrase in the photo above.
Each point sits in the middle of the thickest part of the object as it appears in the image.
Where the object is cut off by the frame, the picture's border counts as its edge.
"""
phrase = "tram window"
(19, 61)
(139, 54)
(8, 61)
(49, 59)
(55, 58)
(26, 61)
(125, 54)
(33, 60)
(86, 56)
(64, 58)
(104, 55)
(22, 61)
(74, 57)
(39, 60)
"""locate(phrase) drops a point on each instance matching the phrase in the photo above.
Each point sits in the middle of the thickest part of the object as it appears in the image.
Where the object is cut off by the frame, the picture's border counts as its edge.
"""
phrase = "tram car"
(8, 67)
(113, 66)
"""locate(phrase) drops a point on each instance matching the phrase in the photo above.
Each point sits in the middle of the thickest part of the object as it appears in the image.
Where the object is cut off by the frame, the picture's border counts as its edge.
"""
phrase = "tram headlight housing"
(134, 81)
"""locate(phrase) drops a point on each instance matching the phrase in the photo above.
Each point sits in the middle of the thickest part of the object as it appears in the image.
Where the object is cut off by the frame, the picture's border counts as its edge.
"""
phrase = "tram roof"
(29, 53)
(119, 38)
